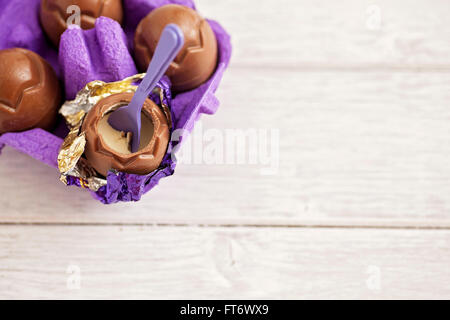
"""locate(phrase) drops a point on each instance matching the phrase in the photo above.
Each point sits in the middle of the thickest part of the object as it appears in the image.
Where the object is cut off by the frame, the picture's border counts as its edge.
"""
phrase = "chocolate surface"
(120, 141)
(54, 16)
(195, 62)
(102, 155)
(30, 94)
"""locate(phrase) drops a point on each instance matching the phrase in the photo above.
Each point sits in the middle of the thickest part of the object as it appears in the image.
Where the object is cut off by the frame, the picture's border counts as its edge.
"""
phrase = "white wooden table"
(359, 207)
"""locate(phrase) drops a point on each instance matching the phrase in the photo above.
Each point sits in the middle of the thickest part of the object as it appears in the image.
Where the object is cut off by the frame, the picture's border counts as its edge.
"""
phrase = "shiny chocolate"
(55, 14)
(195, 62)
(102, 157)
(30, 94)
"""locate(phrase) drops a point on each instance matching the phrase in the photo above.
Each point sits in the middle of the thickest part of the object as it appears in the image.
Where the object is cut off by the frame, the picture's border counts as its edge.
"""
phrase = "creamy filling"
(120, 141)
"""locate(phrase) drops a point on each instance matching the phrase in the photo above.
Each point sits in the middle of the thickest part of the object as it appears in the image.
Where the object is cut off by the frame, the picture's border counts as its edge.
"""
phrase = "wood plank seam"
(230, 226)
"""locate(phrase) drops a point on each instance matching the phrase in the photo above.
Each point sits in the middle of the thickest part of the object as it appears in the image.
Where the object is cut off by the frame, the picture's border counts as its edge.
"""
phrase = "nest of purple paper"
(103, 53)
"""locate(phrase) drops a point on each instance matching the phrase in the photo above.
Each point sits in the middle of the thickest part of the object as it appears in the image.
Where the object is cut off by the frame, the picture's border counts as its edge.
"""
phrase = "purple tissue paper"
(103, 53)
(97, 54)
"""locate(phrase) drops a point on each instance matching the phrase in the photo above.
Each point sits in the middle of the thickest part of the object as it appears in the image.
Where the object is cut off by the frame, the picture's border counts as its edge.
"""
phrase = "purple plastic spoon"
(128, 118)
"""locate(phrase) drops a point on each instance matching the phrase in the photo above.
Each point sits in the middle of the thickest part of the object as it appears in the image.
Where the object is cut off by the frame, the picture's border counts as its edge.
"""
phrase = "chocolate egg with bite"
(108, 149)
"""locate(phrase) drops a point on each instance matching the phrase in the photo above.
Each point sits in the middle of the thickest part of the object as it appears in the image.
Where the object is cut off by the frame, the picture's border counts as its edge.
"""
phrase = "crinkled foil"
(73, 167)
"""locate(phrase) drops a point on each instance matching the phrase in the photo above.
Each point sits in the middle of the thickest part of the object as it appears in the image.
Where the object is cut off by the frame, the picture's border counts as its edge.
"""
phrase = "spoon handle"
(170, 43)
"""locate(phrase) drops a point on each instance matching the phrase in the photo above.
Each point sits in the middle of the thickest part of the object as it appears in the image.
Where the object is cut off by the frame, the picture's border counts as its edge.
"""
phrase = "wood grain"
(189, 263)
(355, 149)
(341, 35)
(359, 93)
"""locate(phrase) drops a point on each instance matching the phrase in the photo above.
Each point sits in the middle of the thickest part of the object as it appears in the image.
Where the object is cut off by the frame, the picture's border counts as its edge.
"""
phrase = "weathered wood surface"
(342, 35)
(359, 93)
(186, 262)
(353, 147)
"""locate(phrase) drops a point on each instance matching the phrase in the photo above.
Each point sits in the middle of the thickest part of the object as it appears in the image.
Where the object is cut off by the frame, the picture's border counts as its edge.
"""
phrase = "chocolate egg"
(56, 13)
(195, 62)
(30, 94)
(107, 149)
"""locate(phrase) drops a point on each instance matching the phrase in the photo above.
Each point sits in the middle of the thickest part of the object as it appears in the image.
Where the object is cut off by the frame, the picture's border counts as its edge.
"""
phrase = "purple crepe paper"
(97, 54)
(108, 62)
(188, 106)
(38, 143)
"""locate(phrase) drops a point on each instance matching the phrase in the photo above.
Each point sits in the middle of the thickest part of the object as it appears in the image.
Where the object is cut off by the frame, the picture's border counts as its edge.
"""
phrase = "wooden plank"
(347, 34)
(355, 149)
(223, 263)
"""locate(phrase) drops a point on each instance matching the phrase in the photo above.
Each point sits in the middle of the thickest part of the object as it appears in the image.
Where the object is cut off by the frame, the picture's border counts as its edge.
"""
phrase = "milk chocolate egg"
(30, 94)
(107, 149)
(55, 14)
(195, 62)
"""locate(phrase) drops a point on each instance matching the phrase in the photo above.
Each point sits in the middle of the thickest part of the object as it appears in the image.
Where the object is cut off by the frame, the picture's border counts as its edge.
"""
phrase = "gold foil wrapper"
(70, 158)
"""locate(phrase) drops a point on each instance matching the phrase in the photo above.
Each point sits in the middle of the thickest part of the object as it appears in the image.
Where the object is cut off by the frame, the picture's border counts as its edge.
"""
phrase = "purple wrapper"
(38, 143)
(97, 54)
(103, 53)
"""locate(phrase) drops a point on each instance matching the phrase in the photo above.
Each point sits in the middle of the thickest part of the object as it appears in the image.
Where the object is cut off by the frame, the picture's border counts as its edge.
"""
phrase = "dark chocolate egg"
(30, 94)
(195, 62)
(55, 14)
(102, 157)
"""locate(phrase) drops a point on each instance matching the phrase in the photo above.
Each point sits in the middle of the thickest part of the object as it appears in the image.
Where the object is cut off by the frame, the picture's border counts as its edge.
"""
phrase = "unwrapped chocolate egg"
(195, 62)
(106, 148)
(55, 14)
(30, 94)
